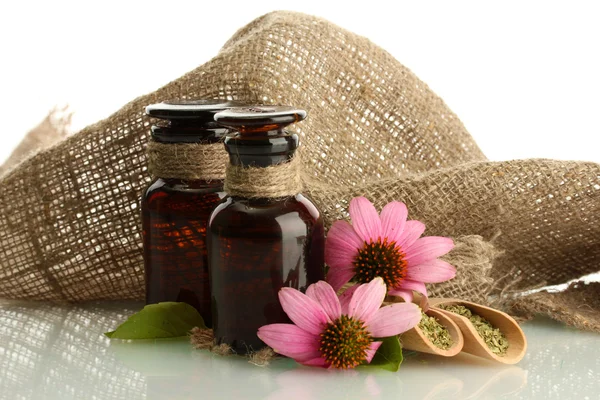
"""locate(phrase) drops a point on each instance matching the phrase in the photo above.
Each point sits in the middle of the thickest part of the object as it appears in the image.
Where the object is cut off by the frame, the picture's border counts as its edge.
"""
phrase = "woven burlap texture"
(69, 216)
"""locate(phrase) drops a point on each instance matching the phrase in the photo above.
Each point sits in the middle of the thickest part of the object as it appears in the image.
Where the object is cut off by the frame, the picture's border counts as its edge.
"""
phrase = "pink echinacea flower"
(387, 246)
(328, 331)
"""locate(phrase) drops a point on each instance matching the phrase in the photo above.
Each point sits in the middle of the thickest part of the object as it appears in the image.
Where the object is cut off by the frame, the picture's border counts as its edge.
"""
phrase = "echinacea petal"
(338, 277)
(393, 218)
(394, 319)
(365, 219)
(372, 350)
(346, 297)
(291, 341)
(342, 235)
(432, 271)
(324, 294)
(407, 295)
(367, 299)
(427, 248)
(412, 231)
(406, 288)
(316, 362)
(303, 311)
(410, 284)
(338, 254)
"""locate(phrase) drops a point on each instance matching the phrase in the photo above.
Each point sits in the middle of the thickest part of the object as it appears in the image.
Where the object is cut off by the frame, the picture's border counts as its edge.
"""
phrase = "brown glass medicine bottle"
(260, 243)
(177, 204)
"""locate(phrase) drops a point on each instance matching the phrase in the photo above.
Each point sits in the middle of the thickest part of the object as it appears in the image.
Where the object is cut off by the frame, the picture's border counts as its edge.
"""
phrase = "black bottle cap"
(260, 138)
(257, 119)
(189, 121)
(201, 109)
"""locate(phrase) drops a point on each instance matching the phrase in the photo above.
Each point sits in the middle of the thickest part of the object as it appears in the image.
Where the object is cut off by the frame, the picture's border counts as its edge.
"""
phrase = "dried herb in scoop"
(436, 333)
(494, 339)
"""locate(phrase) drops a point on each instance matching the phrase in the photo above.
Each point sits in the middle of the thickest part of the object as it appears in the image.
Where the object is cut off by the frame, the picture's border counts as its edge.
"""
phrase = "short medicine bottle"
(187, 161)
(265, 235)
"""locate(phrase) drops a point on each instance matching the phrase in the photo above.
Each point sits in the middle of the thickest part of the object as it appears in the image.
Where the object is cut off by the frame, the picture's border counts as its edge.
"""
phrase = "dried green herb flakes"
(435, 332)
(495, 340)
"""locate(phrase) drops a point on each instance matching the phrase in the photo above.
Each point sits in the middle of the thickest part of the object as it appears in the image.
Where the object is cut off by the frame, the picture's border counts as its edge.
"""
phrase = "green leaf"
(389, 355)
(162, 320)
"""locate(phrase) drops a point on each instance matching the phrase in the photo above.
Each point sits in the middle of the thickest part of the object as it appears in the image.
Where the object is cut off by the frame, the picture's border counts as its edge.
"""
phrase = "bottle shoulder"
(240, 211)
(155, 185)
(182, 186)
(163, 191)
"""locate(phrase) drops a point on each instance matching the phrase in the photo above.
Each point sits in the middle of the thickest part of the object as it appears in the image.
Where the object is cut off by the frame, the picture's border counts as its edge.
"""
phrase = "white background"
(523, 76)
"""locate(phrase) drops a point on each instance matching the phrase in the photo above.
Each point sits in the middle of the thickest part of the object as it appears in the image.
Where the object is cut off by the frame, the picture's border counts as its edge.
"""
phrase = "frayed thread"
(204, 339)
(262, 357)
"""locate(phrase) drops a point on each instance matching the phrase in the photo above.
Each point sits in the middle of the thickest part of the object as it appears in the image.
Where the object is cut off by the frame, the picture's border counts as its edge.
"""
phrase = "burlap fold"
(69, 216)
(543, 215)
(577, 306)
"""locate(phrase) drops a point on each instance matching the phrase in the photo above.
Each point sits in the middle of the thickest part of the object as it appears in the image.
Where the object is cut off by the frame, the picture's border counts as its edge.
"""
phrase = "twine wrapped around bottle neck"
(187, 161)
(281, 180)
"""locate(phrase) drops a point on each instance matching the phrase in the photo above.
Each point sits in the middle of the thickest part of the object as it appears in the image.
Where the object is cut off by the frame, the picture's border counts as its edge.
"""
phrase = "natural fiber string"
(187, 161)
(203, 339)
(275, 181)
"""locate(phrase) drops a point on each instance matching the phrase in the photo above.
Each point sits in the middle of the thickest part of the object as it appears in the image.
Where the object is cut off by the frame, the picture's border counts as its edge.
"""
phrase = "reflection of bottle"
(257, 245)
(175, 210)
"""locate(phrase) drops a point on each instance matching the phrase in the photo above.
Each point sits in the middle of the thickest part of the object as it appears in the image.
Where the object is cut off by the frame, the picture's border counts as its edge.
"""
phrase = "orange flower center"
(344, 342)
(380, 258)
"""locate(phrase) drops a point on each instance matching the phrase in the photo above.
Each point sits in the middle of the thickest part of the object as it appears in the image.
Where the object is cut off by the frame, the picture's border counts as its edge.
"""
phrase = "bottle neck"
(261, 149)
(192, 184)
(188, 132)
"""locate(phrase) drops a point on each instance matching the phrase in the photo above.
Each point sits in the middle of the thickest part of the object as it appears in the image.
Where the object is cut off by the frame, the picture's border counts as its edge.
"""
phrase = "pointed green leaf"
(389, 355)
(162, 320)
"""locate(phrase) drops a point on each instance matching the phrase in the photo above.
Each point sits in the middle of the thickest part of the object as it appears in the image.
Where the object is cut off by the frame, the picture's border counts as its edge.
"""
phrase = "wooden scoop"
(473, 343)
(416, 340)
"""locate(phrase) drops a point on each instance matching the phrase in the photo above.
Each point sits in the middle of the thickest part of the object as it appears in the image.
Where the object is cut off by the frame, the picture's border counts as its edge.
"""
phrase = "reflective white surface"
(59, 352)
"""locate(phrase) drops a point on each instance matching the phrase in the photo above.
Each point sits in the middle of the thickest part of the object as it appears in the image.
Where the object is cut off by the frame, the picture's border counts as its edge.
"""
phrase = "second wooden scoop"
(473, 343)
(416, 340)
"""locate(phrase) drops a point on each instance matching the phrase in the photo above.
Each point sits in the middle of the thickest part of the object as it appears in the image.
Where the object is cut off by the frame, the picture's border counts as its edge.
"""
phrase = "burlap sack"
(69, 216)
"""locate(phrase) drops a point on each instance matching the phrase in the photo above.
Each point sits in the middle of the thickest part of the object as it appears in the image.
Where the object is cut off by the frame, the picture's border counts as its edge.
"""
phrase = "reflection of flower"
(308, 384)
(387, 246)
(338, 333)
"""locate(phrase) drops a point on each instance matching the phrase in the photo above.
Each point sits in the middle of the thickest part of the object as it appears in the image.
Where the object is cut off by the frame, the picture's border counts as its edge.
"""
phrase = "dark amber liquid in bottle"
(258, 246)
(175, 212)
(175, 215)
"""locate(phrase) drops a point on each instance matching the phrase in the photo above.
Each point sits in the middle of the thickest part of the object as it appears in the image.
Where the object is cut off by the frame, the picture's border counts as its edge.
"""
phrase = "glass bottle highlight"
(175, 210)
(257, 245)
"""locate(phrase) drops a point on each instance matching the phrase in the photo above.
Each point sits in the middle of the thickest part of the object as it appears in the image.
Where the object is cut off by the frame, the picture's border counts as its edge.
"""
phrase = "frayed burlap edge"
(51, 130)
(576, 306)
(473, 257)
